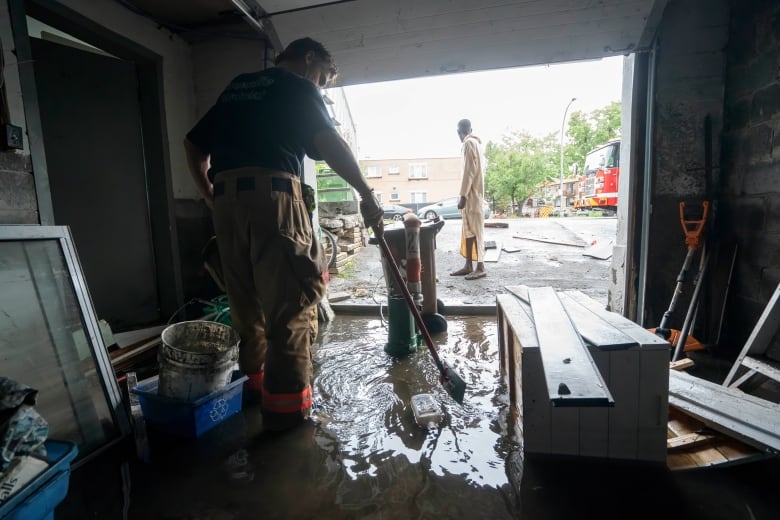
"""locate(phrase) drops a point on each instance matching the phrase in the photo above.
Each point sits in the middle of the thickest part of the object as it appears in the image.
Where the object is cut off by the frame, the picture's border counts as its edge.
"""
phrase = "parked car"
(558, 212)
(582, 212)
(447, 208)
(394, 211)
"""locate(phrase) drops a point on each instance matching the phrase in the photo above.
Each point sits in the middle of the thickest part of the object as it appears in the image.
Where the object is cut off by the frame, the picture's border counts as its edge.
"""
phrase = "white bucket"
(196, 358)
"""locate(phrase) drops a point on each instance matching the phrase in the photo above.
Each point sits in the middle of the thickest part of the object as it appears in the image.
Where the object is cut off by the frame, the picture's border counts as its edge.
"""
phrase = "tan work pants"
(272, 268)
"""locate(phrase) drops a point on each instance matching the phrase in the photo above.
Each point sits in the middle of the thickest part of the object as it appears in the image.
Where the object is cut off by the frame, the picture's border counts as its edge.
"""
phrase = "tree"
(516, 165)
(587, 131)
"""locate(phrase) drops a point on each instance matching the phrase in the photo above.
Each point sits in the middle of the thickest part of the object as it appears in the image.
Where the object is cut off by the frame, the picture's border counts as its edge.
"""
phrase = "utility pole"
(563, 123)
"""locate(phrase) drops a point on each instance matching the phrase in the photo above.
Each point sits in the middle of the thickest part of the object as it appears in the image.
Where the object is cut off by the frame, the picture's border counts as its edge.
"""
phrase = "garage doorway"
(90, 115)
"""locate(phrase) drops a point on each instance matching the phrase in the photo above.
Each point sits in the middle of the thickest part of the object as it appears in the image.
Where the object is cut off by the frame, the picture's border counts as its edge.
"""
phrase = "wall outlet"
(12, 138)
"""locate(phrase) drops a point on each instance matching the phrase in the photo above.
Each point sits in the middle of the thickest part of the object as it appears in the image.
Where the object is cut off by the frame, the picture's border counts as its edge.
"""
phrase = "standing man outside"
(246, 158)
(472, 189)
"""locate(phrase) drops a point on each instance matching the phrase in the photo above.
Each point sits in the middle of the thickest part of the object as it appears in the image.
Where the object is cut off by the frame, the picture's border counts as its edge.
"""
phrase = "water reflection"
(364, 416)
(363, 455)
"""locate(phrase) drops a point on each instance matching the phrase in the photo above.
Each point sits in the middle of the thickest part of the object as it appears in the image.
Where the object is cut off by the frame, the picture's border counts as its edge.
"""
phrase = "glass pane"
(43, 343)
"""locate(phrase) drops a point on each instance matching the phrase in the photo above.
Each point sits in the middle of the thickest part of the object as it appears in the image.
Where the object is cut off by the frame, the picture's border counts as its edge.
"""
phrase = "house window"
(395, 195)
(373, 171)
(378, 195)
(418, 171)
(419, 196)
(393, 170)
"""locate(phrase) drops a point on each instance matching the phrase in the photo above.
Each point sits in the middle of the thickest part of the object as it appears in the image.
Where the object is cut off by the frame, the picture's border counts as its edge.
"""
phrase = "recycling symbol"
(219, 410)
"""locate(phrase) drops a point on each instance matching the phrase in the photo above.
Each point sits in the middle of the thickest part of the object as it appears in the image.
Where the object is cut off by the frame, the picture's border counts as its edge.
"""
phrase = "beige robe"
(472, 186)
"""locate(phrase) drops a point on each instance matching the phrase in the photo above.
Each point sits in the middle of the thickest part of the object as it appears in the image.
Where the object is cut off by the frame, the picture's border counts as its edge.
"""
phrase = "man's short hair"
(298, 49)
(464, 125)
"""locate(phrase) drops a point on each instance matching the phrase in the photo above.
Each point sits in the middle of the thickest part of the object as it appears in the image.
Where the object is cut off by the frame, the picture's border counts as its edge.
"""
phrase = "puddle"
(379, 456)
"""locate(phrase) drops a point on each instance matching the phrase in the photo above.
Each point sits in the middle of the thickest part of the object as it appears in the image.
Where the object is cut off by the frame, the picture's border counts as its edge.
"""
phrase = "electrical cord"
(373, 297)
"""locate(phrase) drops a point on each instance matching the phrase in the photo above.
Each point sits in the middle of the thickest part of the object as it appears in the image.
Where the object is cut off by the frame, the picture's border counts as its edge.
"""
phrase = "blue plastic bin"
(37, 500)
(185, 418)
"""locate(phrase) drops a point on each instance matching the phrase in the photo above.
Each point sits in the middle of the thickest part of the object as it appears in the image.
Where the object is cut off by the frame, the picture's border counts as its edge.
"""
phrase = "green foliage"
(520, 161)
(515, 166)
(587, 131)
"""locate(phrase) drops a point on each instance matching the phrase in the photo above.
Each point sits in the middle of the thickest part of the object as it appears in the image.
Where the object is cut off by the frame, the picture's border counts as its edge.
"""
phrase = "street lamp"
(563, 123)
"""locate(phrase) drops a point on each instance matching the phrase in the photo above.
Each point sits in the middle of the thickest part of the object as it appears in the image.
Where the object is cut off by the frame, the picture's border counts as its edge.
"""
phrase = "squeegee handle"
(409, 301)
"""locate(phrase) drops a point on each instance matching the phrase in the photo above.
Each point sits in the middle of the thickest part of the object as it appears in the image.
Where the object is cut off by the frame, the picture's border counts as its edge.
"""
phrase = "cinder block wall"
(690, 82)
(18, 204)
(751, 163)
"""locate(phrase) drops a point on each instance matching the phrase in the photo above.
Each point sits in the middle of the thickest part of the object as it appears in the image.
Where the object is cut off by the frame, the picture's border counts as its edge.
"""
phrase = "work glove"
(373, 214)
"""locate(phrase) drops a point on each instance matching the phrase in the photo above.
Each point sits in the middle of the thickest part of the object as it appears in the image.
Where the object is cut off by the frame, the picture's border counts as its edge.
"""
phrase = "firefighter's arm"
(198, 163)
(335, 151)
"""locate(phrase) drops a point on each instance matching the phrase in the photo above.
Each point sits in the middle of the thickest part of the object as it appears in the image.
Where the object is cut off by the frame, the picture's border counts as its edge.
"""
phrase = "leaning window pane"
(43, 343)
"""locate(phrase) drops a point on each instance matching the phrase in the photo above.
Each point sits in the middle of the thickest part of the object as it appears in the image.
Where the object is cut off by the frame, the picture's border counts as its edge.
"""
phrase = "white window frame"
(395, 196)
(393, 170)
(415, 174)
(374, 171)
(418, 197)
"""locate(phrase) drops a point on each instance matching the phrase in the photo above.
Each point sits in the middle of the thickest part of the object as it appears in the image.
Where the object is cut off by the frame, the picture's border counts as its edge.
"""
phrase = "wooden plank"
(645, 338)
(564, 429)
(689, 440)
(600, 251)
(594, 421)
(624, 416)
(745, 417)
(652, 404)
(537, 421)
(572, 377)
(502, 225)
(762, 366)
(492, 255)
(529, 383)
(762, 334)
(339, 297)
(681, 364)
(548, 241)
(593, 329)
(518, 291)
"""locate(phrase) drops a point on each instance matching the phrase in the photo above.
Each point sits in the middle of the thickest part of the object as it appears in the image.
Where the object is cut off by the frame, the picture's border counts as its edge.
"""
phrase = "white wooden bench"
(633, 364)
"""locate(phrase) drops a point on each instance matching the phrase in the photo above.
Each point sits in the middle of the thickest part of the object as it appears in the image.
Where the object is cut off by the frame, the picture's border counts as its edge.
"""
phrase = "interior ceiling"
(378, 40)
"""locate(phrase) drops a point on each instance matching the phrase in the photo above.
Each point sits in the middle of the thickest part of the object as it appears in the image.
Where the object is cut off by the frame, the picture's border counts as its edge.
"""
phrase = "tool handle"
(693, 228)
(410, 302)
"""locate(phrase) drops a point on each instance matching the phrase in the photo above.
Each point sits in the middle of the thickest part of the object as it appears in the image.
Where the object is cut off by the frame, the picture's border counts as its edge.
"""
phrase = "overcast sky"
(418, 117)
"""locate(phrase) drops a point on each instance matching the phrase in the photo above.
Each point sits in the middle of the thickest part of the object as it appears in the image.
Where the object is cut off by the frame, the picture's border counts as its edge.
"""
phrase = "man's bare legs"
(468, 269)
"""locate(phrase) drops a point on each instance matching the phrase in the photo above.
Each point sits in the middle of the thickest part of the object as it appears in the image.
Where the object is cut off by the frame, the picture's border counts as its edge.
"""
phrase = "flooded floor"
(363, 456)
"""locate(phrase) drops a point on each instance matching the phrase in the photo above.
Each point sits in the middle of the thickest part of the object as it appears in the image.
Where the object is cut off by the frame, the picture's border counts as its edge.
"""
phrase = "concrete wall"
(18, 204)
(177, 73)
(751, 162)
(217, 61)
(690, 82)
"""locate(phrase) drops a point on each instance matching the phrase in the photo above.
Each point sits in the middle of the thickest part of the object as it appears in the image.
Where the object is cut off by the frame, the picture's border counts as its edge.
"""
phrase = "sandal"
(476, 274)
(461, 272)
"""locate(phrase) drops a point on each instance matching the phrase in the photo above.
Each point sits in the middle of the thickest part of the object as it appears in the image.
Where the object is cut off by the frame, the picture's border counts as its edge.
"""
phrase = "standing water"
(362, 455)
(387, 462)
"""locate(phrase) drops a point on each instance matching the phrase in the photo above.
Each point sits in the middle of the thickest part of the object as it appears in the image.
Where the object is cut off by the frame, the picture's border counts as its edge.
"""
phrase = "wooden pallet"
(691, 445)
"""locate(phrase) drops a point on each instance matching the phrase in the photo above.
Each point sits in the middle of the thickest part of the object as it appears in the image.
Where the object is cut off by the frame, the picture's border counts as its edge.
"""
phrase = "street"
(532, 262)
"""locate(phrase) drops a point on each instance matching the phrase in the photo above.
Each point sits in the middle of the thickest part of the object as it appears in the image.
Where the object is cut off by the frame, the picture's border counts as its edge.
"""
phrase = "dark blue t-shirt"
(266, 119)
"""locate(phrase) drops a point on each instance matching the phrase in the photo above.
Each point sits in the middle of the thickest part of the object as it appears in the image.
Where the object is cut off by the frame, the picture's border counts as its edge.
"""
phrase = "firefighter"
(245, 156)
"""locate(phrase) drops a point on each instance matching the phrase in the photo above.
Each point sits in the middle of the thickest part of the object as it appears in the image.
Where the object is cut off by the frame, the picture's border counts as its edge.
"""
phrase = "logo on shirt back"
(246, 90)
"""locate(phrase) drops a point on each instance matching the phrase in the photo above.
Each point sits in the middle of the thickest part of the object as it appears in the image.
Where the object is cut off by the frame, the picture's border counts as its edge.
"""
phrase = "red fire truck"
(599, 184)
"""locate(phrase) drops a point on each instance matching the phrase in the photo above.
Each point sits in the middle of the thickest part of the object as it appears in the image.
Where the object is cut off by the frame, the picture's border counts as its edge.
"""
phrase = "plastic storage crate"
(37, 500)
(185, 418)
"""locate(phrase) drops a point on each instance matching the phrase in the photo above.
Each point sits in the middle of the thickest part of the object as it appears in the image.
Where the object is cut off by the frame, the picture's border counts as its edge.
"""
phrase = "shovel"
(452, 382)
